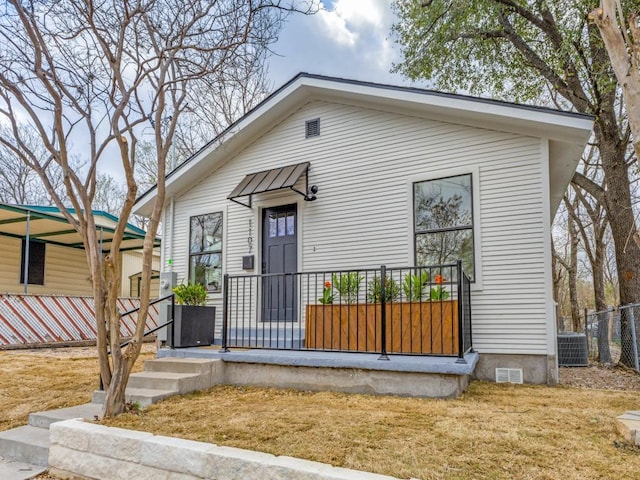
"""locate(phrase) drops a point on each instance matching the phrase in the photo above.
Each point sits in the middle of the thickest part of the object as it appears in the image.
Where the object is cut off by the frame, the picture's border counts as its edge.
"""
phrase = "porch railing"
(409, 310)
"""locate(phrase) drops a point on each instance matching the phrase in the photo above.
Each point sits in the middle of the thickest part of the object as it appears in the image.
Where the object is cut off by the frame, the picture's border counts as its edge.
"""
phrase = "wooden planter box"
(412, 327)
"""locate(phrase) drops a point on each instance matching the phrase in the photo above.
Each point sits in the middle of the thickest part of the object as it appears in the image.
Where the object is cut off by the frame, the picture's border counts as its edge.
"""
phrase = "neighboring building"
(377, 154)
(132, 273)
(57, 262)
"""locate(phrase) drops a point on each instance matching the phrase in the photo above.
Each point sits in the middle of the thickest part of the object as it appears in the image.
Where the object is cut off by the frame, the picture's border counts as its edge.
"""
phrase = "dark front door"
(279, 255)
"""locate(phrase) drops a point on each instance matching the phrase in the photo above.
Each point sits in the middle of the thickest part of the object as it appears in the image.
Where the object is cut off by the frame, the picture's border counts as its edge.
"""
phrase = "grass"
(35, 382)
(492, 432)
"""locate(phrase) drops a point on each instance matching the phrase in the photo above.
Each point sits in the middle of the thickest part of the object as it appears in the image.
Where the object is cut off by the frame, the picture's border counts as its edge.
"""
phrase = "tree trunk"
(622, 222)
(604, 353)
(557, 284)
(572, 274)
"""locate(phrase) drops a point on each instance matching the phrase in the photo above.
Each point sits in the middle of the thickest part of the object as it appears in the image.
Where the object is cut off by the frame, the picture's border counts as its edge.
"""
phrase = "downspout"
(25, 267)
(172, 215)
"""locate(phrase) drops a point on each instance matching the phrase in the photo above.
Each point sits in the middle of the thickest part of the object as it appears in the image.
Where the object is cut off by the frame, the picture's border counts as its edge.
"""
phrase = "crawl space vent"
(312, 128)
(508, 375)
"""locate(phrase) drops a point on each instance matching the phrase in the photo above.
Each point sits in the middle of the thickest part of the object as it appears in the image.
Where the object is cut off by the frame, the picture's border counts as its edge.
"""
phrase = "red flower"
(439, 279)
(327, 284)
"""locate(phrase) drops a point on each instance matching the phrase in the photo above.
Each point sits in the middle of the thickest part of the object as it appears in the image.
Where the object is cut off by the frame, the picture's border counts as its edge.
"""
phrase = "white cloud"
(363, 13)
(335, 28)
(349, 39)
(347, 21)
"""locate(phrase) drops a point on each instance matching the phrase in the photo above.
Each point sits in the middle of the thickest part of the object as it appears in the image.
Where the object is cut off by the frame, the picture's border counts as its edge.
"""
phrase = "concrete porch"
(404, 375)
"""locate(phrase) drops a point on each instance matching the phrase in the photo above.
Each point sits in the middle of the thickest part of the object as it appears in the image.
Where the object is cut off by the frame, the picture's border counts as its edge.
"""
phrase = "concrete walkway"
(18, 471)
(30, 443)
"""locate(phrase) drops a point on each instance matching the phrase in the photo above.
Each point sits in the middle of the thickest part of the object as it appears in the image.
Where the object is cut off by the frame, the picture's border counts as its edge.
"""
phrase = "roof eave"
(565, 127)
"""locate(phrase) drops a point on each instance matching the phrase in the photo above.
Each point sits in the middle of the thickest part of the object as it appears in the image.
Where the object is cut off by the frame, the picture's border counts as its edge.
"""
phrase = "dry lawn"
(491, 432)
(46, 379)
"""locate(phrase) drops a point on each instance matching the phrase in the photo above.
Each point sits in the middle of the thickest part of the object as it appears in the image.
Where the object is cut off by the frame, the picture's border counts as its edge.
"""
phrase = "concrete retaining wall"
(84, 450)
(350, 380)
(413, 376)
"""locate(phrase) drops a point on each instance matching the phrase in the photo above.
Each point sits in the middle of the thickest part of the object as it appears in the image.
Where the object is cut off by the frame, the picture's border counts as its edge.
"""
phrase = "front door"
(279, 255)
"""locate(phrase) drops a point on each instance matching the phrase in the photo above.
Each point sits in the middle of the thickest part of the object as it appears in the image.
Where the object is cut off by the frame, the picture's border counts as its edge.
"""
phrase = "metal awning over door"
(270, 180)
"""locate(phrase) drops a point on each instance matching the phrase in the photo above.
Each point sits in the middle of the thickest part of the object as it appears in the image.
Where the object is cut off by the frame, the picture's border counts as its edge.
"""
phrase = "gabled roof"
(567, 132)
(48, 225)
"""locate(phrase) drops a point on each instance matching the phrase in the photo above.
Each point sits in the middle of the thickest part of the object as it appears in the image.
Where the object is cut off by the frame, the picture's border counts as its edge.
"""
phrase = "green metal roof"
(47, 224)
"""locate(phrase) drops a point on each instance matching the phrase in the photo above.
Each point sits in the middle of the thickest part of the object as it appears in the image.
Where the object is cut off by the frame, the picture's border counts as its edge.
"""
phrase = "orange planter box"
(412, 327)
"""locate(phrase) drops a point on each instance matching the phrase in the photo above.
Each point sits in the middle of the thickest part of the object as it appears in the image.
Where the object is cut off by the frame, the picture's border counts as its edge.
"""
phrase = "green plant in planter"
(414, 285)
(327, 296)
(391, 290)
(191, 294)
(438, 292)
(347, 285)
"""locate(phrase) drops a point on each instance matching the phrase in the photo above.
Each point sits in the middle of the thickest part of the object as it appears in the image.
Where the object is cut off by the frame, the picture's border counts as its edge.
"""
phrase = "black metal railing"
(171, 297)
(409, 310)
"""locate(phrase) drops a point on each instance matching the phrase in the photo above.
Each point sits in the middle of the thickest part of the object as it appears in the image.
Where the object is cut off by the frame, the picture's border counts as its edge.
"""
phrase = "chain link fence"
(612, 336)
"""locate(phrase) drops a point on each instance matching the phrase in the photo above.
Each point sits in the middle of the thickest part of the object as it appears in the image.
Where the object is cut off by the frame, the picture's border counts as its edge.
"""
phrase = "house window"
(36, 261)
(443, 222)
(205, 251)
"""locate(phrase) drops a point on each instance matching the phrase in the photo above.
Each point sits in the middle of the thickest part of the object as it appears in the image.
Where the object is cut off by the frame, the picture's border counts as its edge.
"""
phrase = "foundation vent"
(509, 375)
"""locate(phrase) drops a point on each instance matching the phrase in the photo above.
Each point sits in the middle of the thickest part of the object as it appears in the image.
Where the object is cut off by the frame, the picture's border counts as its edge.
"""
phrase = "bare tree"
(570, 262)
(21, 185)
(99, 73)
(109, 195)
(213, 105)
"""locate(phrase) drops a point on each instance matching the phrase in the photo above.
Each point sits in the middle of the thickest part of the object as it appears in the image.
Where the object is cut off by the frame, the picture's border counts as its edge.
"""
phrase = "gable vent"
(509, 375)
(312, 128)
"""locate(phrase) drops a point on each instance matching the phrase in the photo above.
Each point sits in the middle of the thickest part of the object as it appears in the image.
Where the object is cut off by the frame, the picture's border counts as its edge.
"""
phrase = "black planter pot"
(193, 326)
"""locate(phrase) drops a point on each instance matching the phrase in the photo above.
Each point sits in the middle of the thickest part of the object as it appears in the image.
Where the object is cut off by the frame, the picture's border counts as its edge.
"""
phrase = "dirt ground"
(600, 377)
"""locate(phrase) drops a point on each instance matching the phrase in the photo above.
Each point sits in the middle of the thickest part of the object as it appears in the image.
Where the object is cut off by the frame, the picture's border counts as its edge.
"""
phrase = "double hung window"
(205, 251)
(443, 222)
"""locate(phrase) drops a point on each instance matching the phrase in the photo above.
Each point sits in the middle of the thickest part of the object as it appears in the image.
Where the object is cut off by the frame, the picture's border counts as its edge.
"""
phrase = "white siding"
(363, 163)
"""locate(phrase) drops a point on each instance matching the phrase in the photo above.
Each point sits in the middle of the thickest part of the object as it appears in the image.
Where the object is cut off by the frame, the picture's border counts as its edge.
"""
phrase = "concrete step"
(10, 470)
(629, 426)
(178, 365)
(143, 396)
(26, 444)
(43, 419)
(180, 382)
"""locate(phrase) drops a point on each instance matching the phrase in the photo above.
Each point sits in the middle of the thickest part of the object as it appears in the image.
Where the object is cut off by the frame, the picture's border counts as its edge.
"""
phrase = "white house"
(392, 172)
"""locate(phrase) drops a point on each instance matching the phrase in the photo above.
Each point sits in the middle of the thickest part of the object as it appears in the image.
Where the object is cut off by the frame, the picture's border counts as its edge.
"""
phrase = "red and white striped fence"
(33, 319)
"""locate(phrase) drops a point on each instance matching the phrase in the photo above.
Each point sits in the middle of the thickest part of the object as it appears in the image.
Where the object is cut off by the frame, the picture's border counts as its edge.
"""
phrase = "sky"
(348, 39)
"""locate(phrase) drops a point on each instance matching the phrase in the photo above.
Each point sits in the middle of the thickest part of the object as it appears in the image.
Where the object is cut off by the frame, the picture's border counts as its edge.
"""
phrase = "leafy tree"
(523, 50)
(89, 77)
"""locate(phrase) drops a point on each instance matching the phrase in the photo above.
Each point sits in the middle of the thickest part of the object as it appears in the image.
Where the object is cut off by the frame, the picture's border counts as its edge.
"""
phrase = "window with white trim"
(443, 222)
(205, 251)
